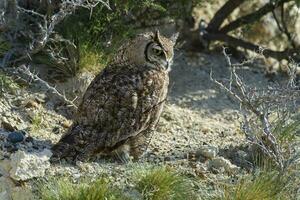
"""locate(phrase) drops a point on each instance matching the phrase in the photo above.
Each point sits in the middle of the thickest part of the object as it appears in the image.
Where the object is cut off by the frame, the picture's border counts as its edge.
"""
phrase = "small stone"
(56, 130)
(31, 104)
(67, 124)
(220, 162)
(29, 165)
(16, 136)
(7, 126)
(11, 149)
(207, 151)
(29, 139)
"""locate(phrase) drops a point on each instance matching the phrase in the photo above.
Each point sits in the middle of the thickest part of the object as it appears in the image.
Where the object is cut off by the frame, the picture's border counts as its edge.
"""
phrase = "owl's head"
(148, 50)
(159, 51)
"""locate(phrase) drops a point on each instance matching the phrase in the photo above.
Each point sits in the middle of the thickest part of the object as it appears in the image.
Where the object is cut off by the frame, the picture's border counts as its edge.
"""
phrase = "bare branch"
(260, 102)
(234, 42)
(26, 71)
(252, 17)
(223, 13)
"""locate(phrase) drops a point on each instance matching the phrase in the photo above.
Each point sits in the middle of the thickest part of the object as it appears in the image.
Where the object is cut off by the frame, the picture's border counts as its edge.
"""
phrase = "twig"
(279, 55)
(25, 70)
(260, 103)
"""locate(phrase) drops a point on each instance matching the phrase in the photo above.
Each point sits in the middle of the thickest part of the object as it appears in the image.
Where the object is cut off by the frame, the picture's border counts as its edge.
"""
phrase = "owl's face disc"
(159, 52)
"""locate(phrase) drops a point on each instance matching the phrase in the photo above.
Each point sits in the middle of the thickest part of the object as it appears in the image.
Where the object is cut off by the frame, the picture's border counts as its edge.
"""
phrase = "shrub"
(162, 183)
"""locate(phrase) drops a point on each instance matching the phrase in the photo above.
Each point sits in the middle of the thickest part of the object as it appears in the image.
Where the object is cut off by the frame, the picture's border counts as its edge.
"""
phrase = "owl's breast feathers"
(118, 106)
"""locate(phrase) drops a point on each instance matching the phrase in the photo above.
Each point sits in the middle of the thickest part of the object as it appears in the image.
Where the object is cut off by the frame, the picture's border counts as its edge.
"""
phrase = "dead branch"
(26, 71)
(213, 32)
(253, 17)
(223, 13)
(260, 102)
(234, 42)
(43, 28)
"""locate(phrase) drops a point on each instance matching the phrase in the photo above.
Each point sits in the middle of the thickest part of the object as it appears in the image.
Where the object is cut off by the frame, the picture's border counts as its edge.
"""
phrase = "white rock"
(19, 193)
(4, 195)
(208, 151)
(8, 191)
(29, 165)
(6, 185)
(5, 167)
(220, 162)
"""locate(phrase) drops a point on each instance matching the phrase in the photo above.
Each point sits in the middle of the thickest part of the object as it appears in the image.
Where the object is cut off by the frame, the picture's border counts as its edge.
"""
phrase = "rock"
(207, 151)
(6, 186)
(20, 193)
(29, 165)
(7, 126)
(8, 191)
(56, 130)
(67, 124)
(16, 136)
(4, 195)
(220, 163)
(31, 104)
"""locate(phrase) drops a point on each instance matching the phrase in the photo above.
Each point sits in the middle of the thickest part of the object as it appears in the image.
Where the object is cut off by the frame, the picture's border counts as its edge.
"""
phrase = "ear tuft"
(157, 35)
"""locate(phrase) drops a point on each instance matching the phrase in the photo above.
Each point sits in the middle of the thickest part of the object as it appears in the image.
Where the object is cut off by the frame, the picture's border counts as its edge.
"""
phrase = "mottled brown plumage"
(122, 105)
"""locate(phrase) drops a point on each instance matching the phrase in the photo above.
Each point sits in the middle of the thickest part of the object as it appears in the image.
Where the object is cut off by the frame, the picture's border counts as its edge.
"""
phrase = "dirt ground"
(197, 114)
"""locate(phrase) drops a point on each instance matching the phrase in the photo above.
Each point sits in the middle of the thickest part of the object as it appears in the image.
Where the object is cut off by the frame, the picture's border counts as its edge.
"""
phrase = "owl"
(122, 105)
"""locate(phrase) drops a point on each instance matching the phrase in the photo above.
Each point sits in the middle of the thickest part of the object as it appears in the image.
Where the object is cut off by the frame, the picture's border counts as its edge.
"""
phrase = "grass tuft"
(163, 183)
(265, 186)
(36, 122)
(64, 189)
(7, 84)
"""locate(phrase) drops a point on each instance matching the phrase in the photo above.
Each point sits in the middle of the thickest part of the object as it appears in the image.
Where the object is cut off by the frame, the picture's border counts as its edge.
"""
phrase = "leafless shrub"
(265, 110)
(26, 31)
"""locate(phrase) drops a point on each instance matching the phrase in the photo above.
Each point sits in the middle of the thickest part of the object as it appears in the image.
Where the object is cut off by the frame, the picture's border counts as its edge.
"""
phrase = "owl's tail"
(66, 147)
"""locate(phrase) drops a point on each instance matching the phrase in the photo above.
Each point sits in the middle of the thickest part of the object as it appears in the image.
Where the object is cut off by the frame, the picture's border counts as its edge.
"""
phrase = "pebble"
(6, 125)
(16, 136)
(67, 124)
(207, 151)
(220, 163)
(56, 130)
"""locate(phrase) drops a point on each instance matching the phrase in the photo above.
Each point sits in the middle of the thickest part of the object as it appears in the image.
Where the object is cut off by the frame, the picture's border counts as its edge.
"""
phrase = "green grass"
(91, 60)
(265, 186)
(157, 183)
(36, 122)
(7, 84)
(64, 189)
(163, 184)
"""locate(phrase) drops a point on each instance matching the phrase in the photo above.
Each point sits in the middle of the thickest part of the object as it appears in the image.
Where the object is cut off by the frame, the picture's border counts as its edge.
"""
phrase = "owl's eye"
(157, 52)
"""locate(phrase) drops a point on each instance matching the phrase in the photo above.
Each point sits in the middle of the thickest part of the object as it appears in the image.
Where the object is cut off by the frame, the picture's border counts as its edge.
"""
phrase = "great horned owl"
(122, 105)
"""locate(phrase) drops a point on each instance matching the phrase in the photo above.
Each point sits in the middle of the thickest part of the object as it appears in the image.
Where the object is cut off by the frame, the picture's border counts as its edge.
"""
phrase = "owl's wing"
(116, 107)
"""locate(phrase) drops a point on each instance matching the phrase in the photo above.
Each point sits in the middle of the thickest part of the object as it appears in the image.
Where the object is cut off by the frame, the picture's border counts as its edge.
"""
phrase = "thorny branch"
(26, 71)
(262, 103)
